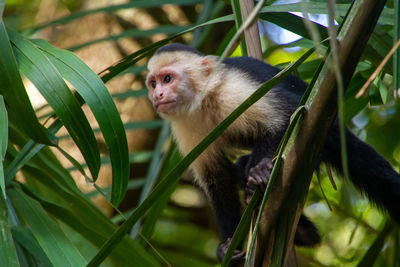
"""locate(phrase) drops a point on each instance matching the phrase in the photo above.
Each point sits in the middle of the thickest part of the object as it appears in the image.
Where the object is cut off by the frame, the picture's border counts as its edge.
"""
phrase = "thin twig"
(365, 89)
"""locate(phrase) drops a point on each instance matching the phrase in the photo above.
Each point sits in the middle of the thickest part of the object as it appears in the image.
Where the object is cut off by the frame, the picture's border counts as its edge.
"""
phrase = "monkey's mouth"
(164, 106)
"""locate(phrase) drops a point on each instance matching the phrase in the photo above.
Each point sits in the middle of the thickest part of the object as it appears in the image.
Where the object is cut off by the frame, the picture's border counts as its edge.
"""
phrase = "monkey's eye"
(167, 78)
(153, 84)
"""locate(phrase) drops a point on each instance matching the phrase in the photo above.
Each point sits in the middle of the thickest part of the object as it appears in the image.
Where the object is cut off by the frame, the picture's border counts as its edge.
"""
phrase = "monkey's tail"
(369, 171)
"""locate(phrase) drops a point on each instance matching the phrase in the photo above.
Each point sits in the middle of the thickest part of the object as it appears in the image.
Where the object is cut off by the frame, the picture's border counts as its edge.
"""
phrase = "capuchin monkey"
(187, 89)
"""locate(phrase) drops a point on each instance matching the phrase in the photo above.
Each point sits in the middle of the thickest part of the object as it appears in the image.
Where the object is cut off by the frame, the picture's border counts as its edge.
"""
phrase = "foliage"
(45, 219)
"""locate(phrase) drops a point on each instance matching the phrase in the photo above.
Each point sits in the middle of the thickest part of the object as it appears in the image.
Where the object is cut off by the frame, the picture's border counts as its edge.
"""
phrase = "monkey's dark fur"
(218, 176)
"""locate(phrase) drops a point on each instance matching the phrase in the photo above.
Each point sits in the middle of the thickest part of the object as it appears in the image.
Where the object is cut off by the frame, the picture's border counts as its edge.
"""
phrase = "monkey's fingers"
(237, 257)
(262, 171)
(251, 186)
(253, 182)
(258, 176)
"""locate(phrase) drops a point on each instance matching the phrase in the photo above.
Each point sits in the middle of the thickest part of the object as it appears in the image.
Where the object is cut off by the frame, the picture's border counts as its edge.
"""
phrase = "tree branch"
(251, 34)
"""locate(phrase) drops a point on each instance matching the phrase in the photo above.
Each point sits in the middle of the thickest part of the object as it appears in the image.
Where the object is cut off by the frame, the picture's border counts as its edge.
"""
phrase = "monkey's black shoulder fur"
(262, 72)
(257, 69)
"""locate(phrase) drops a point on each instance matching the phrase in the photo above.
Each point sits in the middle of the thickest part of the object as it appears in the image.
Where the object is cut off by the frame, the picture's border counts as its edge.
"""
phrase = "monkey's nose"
(158, 95)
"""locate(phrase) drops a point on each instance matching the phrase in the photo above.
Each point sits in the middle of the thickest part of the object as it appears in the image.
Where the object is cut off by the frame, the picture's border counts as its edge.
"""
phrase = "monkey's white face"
(168, 90)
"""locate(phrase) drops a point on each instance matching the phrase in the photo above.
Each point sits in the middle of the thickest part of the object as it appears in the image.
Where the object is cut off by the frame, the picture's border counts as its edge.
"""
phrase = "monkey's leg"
(222, 190)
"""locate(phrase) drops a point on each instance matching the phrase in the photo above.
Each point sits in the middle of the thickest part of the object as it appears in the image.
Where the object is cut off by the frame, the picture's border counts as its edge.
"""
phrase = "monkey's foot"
(237, 257)
(258, 177)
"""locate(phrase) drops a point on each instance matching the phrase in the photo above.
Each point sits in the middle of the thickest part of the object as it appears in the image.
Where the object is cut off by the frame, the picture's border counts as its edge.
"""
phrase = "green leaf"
(157, 170)
(3, 143)
(210, 9)
(238, 22)
(379, 45)
(96, 95)
(322, 8)
(78, 213)
(396, 36)
(353, 105)
(155, 163)
(8, 255)
(38, 68)
(30, 149)
(155, 212)
(58, 248)
(132, 185)
(45, 159)
(25, 238)
(13, 90)
(312, 8)
(376, 248)
(294, 24)
(3, 128)
(63, 200)
(374, 95)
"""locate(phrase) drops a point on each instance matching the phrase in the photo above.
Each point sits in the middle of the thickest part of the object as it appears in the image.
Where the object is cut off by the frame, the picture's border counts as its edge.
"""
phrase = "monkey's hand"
(237, 257)
(258, 176)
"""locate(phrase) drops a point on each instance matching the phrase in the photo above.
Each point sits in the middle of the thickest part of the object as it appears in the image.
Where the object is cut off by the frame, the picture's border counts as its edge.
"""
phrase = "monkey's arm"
(255, 169)
(258, 176)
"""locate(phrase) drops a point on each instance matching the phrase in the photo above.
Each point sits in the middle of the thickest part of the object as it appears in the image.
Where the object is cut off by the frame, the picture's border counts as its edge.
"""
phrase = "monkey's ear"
(208, 62)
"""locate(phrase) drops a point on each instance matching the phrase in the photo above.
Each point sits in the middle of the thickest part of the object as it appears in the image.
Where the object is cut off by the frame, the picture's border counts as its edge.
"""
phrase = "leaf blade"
(14, 92)
(35, 65)
(8, 254)
(3, 143)
(58, 248)
(96, 95)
